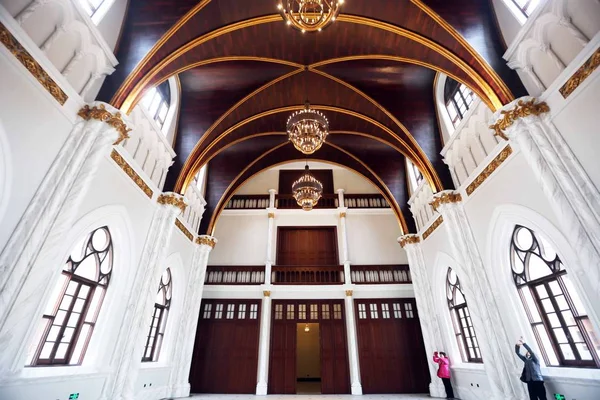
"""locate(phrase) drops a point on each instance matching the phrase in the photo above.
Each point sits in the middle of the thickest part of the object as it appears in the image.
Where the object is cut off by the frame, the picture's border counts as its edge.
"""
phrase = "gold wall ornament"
(271, 215)
(100, 113)
(183, 229)
(445, 198)
(433, 227)
(409, 239)
(487, 171)
(581, 74)
(342, 215)
(131, 173)
(267, 293)
(27, 60)
(349, 293)
(206, 240)
(521, 110)
(171, 199)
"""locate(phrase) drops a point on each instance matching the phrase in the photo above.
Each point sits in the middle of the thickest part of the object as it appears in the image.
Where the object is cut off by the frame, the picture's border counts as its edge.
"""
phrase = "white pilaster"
(344, 235)
(179, 385)
(355, 385)
(500, 363)
(141, 299)
(427, 316)
(270, 234)
(272, 193)
(29, 259)
(573, 196)
(341, 203)
(264, 343)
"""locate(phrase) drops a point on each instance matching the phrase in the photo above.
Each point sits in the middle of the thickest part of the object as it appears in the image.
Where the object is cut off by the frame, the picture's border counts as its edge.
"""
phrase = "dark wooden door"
(282, 366)
(391, 350)
(335, 378)
(225, 357)
(307, 246)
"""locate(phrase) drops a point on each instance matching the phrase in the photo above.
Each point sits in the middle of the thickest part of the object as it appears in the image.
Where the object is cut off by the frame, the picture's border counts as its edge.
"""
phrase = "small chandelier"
(307, 129)
(309, 15)
(307, 190)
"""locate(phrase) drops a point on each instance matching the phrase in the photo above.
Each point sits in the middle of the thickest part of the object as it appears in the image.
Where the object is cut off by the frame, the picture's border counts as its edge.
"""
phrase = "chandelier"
(307, 190)
(309, 15)
(307, 129)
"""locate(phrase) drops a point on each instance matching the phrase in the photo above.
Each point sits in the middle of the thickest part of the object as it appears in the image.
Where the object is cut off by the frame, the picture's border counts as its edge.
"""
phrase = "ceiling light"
(307, 190)
(310, 15)
(307, 129)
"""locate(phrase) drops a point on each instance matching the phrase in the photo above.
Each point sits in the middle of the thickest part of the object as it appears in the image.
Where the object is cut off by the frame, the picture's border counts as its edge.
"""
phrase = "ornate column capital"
(342, 211)
(173, 199)
(514, 111)
(349, 293)
(108, 114)
(206, 240)
(445, 197)
(267, 293)
(410, 238)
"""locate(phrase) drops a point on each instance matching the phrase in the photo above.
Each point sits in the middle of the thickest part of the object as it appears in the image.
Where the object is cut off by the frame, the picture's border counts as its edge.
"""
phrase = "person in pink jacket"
(444, 372)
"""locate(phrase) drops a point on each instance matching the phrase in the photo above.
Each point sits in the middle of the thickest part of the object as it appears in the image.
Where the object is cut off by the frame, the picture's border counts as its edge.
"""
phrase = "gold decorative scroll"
(349, 293)
(131, 173)
(102, 114)
(521, 110)
(13, 45)
(206, 240)
(491, 167)
(409, 239)
(433, 227)
(172, 200)
(271, 215)
(581, 74)
(445, 198)
(266, 293)
(183, 229)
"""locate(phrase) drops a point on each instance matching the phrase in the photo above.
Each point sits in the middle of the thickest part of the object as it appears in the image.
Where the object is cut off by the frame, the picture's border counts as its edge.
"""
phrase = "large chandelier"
(309, 15)
(307, 129)
(307, 190)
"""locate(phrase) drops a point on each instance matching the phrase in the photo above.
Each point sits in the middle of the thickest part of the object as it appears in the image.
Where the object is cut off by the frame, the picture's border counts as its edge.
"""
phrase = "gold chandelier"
(307, 129)
(307, 190)
(309, 15)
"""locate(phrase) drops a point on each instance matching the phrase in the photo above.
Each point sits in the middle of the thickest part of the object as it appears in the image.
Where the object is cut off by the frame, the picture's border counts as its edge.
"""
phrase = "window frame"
(463, 95)
(89, 7)
(524, 10)
(152, 342)
(153, 105)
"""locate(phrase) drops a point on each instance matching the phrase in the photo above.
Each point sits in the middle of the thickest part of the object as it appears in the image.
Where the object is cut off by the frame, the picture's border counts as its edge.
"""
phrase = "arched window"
(157, 102)
(415, 176)
(159, 318)
(459, 99)
(200, 179)
(556, 313)
(525, 7)
(461, 319)
(91, 6)
(70, 316)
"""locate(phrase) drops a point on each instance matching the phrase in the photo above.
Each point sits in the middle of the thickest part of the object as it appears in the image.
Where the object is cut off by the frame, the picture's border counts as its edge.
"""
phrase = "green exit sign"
(73, 396)
(558, 396)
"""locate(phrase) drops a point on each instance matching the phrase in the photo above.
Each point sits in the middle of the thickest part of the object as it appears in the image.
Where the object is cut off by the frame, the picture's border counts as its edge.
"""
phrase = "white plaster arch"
(5, 171)
(445, 123)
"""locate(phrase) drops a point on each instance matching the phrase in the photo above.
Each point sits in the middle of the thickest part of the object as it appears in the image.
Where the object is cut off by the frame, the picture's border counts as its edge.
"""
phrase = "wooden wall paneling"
(307, 246)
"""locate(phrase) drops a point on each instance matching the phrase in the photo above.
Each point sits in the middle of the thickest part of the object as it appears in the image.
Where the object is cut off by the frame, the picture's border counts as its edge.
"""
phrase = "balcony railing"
(248, 202)
(365, 201)
(380, 274)
(235, 275)
(287, 201)
(302, 275)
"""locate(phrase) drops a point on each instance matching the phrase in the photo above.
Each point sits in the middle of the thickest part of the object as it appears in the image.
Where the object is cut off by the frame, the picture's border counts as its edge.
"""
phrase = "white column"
(340, 193)
(269, 255)
(121, 385)
(179, 385)
(573, 196)
(344, 235)
(272, 193)
(427, 316)
(355, 385)
(496, 349)
(263, 348)
(30, 259)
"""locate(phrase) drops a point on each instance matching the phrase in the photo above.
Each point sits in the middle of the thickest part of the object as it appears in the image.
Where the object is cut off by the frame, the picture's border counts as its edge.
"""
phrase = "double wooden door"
(307, 246)
(225, 358)
(390, 344)
(333, 348)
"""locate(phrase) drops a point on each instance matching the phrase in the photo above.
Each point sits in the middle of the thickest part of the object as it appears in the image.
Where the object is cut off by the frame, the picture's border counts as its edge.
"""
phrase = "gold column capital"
(206, 240)
(408, 239)
(523, 108)
(172, 199)
(342, 214)
(271, 215)
(445, 197)
(267, 293)
(349, 293)
(101, 114)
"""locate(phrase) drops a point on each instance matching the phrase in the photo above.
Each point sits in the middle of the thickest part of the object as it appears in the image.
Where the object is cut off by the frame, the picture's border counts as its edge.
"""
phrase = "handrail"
(380, 274)
(307, 275)
(235, 275)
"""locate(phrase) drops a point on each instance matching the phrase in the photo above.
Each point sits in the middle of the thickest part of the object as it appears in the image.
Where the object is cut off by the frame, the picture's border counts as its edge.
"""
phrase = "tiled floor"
(310, 397)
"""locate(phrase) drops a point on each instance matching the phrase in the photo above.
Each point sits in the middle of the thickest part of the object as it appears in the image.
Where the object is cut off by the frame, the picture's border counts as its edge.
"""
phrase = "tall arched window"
(459, 99)
(159, 318)
(556, 313)
(70, 316)
(157, 102)
(461, 319)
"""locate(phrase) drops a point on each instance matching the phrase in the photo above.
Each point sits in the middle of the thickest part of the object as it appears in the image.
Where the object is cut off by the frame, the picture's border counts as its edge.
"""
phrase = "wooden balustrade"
(287, 201)
(248, 202)
(299, 275)
(235, 275)
(365, 201)
(380, 274)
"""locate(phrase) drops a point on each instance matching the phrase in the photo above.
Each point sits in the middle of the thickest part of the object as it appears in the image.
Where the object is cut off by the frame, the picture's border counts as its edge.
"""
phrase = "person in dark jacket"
(532, 374)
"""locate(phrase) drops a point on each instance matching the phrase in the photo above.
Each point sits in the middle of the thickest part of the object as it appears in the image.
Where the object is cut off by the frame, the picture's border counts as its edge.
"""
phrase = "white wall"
(372, 239)
(242, 240)
(507, 20)
(111, 23)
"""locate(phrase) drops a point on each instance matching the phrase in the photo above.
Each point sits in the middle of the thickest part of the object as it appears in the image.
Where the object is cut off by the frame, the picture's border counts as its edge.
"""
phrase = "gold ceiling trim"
(433, 227)
(29, 62)
(581, 74)
(163, 39)
(221, 205)
(437, 111)
(489, 169)
(463, 42)
(176, 132)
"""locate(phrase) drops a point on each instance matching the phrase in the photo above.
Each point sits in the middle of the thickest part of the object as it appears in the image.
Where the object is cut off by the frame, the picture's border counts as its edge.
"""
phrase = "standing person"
(531, 375)
(444, 372)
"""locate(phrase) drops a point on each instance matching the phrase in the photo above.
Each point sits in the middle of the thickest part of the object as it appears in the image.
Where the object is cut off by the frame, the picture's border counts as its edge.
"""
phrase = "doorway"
(308, 358)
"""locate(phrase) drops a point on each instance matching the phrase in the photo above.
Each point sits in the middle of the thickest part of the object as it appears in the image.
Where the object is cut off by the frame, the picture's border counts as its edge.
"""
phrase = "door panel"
(307, 246)
(282, 376)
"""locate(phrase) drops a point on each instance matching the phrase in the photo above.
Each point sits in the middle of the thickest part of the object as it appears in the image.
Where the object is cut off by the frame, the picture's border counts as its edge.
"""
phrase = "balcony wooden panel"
(235, 275)
(307, 275)
(380, 274)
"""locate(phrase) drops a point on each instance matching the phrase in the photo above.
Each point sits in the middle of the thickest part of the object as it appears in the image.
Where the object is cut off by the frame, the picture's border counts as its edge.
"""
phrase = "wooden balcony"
(303, 275)
(248, 202)
(235, 275)
(379, 274)
(287, 201)
(365, 201)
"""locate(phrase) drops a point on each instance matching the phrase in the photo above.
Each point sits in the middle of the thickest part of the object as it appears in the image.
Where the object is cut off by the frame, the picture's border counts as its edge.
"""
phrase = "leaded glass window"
(158, 322)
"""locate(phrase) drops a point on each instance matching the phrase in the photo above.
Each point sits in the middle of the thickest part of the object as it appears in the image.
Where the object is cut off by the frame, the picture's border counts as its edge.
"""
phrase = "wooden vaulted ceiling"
(242, 71)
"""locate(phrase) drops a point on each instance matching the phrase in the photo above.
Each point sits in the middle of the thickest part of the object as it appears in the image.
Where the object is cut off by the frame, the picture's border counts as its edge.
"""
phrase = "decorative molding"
(409, 239)
(521, 110)
(445, 198)
(131, 173)
(581, 74)
(433, 227)
(100, 113)
(267, 293)
(271, 215)
(206, 240)
(489, 169)
(349, 293)
(342, 215)
(13, 45)
(173, 200)
(184, 230)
